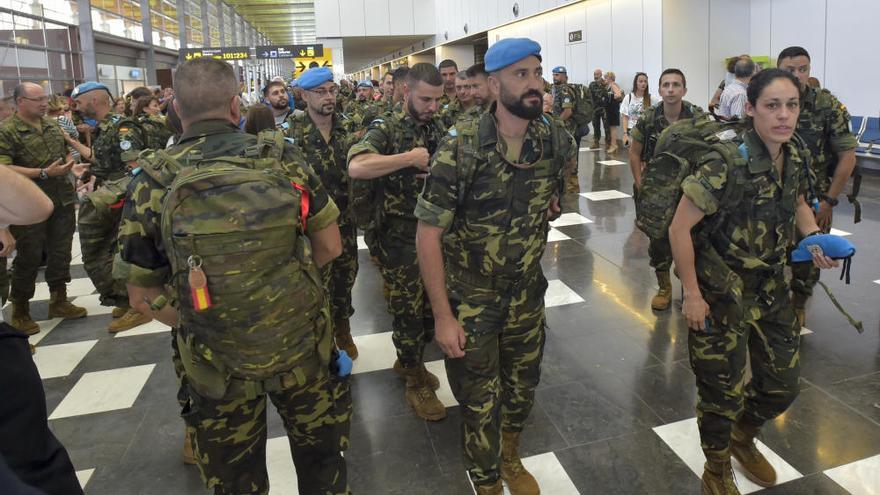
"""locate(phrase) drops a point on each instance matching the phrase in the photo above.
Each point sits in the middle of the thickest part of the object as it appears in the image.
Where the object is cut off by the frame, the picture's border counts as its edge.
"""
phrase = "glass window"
(118, 17)
(60, 66)
(5, 27)
(28, 31)
(57, 36)
(32, 64)
(8, 62)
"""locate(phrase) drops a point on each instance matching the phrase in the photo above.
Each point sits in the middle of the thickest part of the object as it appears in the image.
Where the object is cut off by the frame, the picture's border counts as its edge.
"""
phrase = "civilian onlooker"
(119, 105)
(59, 109)
(148, 105)
(635, 103)
(132, 97)
(259, 118)
(729, 76)
(733, 99)
(612, 109)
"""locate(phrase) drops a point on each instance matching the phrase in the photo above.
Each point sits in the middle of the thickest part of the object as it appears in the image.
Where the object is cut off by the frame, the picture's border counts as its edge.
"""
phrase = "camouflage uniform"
(230, 433)
(391, 135)
(117, 141)
(646, 132)
(741, 249)
(155, 132)
(823, 124)
(496, 224)
(23, 145)
(564, 99)
(446, 100)
(328, 159)
(450, 113)
(362, 113)
(599, 96)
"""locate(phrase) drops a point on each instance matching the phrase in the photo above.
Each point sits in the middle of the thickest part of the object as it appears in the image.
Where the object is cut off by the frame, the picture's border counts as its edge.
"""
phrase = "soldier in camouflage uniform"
(363, 109)
(395, 150)
(673, 86)
(448, 69)
(462, 102)
(6, 111)
(743, 215)
(228, 412)
(563, 109)
(823, 124)
(33, 145)
(494, 186)
(114, 149)
(324, 137)
(598, 90)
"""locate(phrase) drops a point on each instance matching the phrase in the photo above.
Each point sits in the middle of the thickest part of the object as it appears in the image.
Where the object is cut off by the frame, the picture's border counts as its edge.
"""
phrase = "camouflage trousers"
(339, 275)
(600, 121)
(55, 236)
(496, 379)
(660, 254)
(718, 358)
(406, 292)
(229, 438)
(97, 239)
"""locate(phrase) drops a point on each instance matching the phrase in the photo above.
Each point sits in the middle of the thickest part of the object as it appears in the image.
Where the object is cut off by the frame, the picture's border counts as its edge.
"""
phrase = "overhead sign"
(575, 36)
(222, 53)
(290, 51)
(304, 63)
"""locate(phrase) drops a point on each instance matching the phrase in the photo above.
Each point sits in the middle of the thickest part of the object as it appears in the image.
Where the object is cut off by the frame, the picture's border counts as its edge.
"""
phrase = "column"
(181, 23)
(150, 53)
(87, 40)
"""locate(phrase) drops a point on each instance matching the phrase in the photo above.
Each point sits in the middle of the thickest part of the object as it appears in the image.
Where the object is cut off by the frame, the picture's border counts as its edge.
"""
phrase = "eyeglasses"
(41, 99)
(323, 92)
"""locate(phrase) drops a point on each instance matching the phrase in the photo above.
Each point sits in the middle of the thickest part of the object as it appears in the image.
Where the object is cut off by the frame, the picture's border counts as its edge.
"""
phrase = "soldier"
(276, 96)
(6, 111)
(463, 100)
(824, 126)
(563, 99)
(364, 109)
(448, 70)
(269, 311)
(742, 215)
(324, 137)
(487, 217)
(156, 133)
(396, 150)
(481, 97)
(33, 145)
(673, 87)
(387, 87)
(113, 153)
(599, 96)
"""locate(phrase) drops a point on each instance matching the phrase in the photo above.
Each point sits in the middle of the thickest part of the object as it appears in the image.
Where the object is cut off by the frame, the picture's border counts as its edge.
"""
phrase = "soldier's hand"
(450, 337)
(80, 168)
(824, 262)
(695, 311)
(58, 168)
(7, 244)
(419, 158)
(554, 209)
(824, 216)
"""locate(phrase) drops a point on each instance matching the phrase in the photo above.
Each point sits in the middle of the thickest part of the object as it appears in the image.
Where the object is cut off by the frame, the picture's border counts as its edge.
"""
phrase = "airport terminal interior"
(615, 411)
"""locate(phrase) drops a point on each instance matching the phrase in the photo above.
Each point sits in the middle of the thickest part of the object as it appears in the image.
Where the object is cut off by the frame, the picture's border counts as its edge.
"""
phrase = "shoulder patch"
(290, 140)
(125, 145)
(453, 132)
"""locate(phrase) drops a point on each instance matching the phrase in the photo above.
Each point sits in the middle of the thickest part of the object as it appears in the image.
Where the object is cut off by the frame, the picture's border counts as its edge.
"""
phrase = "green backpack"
(676, 156)
(242, 221)
(583, 106)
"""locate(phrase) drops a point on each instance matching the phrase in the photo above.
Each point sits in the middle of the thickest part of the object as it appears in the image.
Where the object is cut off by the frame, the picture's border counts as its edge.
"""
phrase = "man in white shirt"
(733, 99)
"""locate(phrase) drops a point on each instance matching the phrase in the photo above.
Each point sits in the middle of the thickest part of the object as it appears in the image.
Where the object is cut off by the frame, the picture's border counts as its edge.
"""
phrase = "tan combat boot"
(718, 474)
(519, 481)
(344, 341)
(572, 185)
(189, 457)
(663, 298)
(119, 311)
(744, 450)
(420, 395)
(132, 318)
(60, 307)
(432, 378)
(21, 318)
(494, 489)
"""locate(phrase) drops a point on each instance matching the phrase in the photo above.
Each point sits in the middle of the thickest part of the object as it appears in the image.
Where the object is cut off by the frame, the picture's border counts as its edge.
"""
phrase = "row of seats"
(867, 131)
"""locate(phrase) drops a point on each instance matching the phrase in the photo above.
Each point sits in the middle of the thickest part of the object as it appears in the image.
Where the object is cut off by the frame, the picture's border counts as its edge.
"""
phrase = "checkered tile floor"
(614, 412)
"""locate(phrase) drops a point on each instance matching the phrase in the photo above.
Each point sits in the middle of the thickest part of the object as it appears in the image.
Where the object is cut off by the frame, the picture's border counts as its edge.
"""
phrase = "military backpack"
(249, 294)
(583, 105)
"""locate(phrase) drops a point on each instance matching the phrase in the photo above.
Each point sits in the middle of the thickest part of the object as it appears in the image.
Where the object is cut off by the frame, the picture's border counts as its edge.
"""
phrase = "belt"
(498, 284)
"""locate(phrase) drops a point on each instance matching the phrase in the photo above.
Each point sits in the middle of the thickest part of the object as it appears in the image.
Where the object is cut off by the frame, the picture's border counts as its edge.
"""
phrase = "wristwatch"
(831, 201)
(43, 174)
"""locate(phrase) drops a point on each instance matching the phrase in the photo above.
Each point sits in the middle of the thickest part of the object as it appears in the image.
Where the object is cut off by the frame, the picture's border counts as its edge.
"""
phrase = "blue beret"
(314, 77)
(833, 246)
(559, 70)
(509, 51)
(366, 83)
(88, 86)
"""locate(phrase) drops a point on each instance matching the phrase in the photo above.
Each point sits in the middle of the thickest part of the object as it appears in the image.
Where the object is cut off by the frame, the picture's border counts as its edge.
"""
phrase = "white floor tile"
(841, 233)
(145, 329)
(46, 327)
(559, 294)
(375, 352)
(605, 195)
(84, 476)
(554, 235)
(806, 331)
(683, 438)
(611, 162)
(76, 287)
(75, 250)
(567, 219)
(59, 360)
(92, 304)
(444, 393)
(877, 282)
(282, 473)
(860, 477)
(361, 243)
(102, 391)
(549, 474)
(588, 149)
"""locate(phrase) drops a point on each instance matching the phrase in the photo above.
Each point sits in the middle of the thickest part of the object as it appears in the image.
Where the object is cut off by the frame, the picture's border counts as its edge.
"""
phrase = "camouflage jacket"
(564, 98)
(142, 259)
(117, 141)
(450, 113)
(446, 100)
(327, 159)
(23, 145)
(494, 213)
(653, 121)
(823, 124)
(361, 113)
(598, 94)
(155, 132)
(391, 135)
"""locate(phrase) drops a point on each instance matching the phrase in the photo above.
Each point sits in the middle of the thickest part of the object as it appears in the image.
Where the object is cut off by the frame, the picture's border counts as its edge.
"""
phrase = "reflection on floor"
(614, 412)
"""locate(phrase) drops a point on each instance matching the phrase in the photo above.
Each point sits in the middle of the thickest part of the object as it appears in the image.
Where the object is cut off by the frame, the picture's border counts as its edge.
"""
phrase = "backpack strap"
(467, 144)
(161, 166)
(270, 144)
